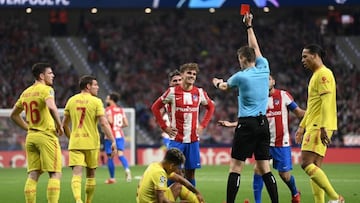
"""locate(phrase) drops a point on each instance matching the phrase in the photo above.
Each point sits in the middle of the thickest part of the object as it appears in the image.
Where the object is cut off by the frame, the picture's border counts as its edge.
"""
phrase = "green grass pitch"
(211, 181)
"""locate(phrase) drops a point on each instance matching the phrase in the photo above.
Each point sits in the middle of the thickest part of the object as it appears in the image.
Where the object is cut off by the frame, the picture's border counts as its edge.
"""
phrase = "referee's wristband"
(248, 27)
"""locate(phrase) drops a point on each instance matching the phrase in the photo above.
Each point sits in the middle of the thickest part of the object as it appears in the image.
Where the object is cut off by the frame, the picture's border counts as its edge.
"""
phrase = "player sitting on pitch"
(153, 185)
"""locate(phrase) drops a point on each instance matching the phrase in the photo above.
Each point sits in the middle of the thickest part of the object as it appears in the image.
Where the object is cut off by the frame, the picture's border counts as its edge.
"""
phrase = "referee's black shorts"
(252, 136)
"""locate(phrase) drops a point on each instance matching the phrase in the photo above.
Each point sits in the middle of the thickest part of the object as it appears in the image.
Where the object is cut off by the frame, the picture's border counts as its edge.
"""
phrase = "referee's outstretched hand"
(248, 19)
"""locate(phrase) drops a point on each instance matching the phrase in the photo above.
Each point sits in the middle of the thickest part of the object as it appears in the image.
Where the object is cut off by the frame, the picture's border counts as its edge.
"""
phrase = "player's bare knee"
(285, 176)
(56, 175)
(257, 169)
(263, 166)
(305, 163)
(236, 166)
(175, 189)
(90, 172)
(34, 175)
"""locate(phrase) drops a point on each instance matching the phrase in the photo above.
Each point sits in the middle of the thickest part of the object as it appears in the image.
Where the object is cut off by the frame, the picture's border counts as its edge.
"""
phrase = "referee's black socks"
(271, 187)
(233, 185)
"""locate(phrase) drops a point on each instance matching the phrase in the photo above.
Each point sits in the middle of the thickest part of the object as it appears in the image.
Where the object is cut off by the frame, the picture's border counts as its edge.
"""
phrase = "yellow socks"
(76, 187)
(89, 189)
(319, 177)
(30, 191)
(186, 194)
(53, 190)
(318, 192)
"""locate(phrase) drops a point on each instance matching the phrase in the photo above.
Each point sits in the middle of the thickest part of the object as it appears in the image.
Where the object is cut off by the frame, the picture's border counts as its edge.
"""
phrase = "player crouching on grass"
(153, 185)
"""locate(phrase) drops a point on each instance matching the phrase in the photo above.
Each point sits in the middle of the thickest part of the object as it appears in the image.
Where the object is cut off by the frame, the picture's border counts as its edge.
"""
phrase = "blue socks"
(111, 167)
(124, 162)
(258, 184)
(292, 186)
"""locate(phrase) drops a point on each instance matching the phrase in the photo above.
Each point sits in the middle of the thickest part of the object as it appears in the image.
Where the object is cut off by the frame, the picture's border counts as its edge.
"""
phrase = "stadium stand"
(22, 44)
(145, 50)
(139, 51)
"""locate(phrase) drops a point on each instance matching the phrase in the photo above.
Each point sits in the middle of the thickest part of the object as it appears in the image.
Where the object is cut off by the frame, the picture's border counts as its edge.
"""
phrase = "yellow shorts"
(312, 142)
(169, 195)
(43, 152)
(87, 158)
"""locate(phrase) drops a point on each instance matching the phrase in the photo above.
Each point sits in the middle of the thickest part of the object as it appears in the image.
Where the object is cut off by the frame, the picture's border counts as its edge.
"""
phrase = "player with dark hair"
(280, 102)
(118, 120)
(153, 184)
(43, 127)
(84, 110)
(184, 101)
(174, 79)
(319, 123)
(252, 134)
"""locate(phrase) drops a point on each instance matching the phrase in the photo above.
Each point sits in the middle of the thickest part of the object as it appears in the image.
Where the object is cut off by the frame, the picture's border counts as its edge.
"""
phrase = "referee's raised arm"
(252, 41)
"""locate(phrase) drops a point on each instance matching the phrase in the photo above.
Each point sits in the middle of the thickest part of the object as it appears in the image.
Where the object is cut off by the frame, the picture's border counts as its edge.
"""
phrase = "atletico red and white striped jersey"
(184, 111)
(117, 114)
(279, 104)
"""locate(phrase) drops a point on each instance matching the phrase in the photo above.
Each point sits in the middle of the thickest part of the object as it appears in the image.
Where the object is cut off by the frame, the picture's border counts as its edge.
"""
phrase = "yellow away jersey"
(321, 105)
(84, 109)
(38, 116)
(154, 178)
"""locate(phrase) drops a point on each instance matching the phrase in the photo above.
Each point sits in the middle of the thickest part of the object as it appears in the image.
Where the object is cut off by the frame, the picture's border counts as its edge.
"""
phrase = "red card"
(244, 9)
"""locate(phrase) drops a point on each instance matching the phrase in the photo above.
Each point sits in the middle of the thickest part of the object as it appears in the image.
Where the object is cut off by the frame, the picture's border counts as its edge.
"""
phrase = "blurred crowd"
(140, 51)
(22, 45)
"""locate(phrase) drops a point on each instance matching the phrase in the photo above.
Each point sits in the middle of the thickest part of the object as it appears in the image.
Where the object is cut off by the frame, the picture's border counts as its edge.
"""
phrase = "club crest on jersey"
(195, 97)
(162, 180)
(276, 101)
(324, 80)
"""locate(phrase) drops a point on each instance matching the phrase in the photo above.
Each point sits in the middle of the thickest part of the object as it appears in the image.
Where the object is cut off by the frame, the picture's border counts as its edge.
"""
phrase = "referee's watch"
(218, 85)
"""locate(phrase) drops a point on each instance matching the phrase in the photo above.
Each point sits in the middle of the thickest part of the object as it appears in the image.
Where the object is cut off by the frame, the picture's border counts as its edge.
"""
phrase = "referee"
(252, 134)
